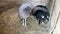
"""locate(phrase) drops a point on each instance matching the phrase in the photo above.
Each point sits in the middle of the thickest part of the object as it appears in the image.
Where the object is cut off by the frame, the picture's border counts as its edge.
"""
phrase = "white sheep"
(24, 12)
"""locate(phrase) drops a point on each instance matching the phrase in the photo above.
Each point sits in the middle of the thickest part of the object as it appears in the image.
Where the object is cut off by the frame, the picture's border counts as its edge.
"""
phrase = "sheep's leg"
(39, 21)
(25, 22)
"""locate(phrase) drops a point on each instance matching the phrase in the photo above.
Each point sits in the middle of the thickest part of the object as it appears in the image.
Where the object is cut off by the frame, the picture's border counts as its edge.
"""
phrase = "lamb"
(24, 12)
(41, 13)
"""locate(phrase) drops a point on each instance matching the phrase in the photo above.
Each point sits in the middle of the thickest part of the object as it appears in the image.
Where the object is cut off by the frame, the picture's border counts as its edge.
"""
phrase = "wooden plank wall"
(54, 18)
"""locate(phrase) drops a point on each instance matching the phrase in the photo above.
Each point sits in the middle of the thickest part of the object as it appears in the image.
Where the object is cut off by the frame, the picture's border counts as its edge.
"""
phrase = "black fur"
(39, 13)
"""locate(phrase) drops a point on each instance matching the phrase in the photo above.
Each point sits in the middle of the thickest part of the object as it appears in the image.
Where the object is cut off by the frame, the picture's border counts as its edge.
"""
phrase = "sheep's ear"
(46, 7)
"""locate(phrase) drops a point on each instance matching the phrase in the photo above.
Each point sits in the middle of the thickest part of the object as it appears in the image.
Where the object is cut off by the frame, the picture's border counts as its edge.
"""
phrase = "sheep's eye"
(42, 16)
(47, 16)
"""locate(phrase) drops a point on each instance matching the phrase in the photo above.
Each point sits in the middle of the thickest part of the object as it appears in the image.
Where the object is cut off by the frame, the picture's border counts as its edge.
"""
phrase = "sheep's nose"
(48, 17)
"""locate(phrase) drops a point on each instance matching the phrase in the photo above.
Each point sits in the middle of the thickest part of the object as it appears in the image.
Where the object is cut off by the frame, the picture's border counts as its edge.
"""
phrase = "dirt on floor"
(10, 23)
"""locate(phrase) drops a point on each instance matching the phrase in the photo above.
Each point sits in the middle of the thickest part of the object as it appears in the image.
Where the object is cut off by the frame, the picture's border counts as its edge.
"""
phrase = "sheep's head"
(41, 13)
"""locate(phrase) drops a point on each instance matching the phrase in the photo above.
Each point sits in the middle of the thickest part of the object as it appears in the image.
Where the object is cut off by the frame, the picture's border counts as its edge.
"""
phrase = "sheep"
(24, 12)
(41, 13)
